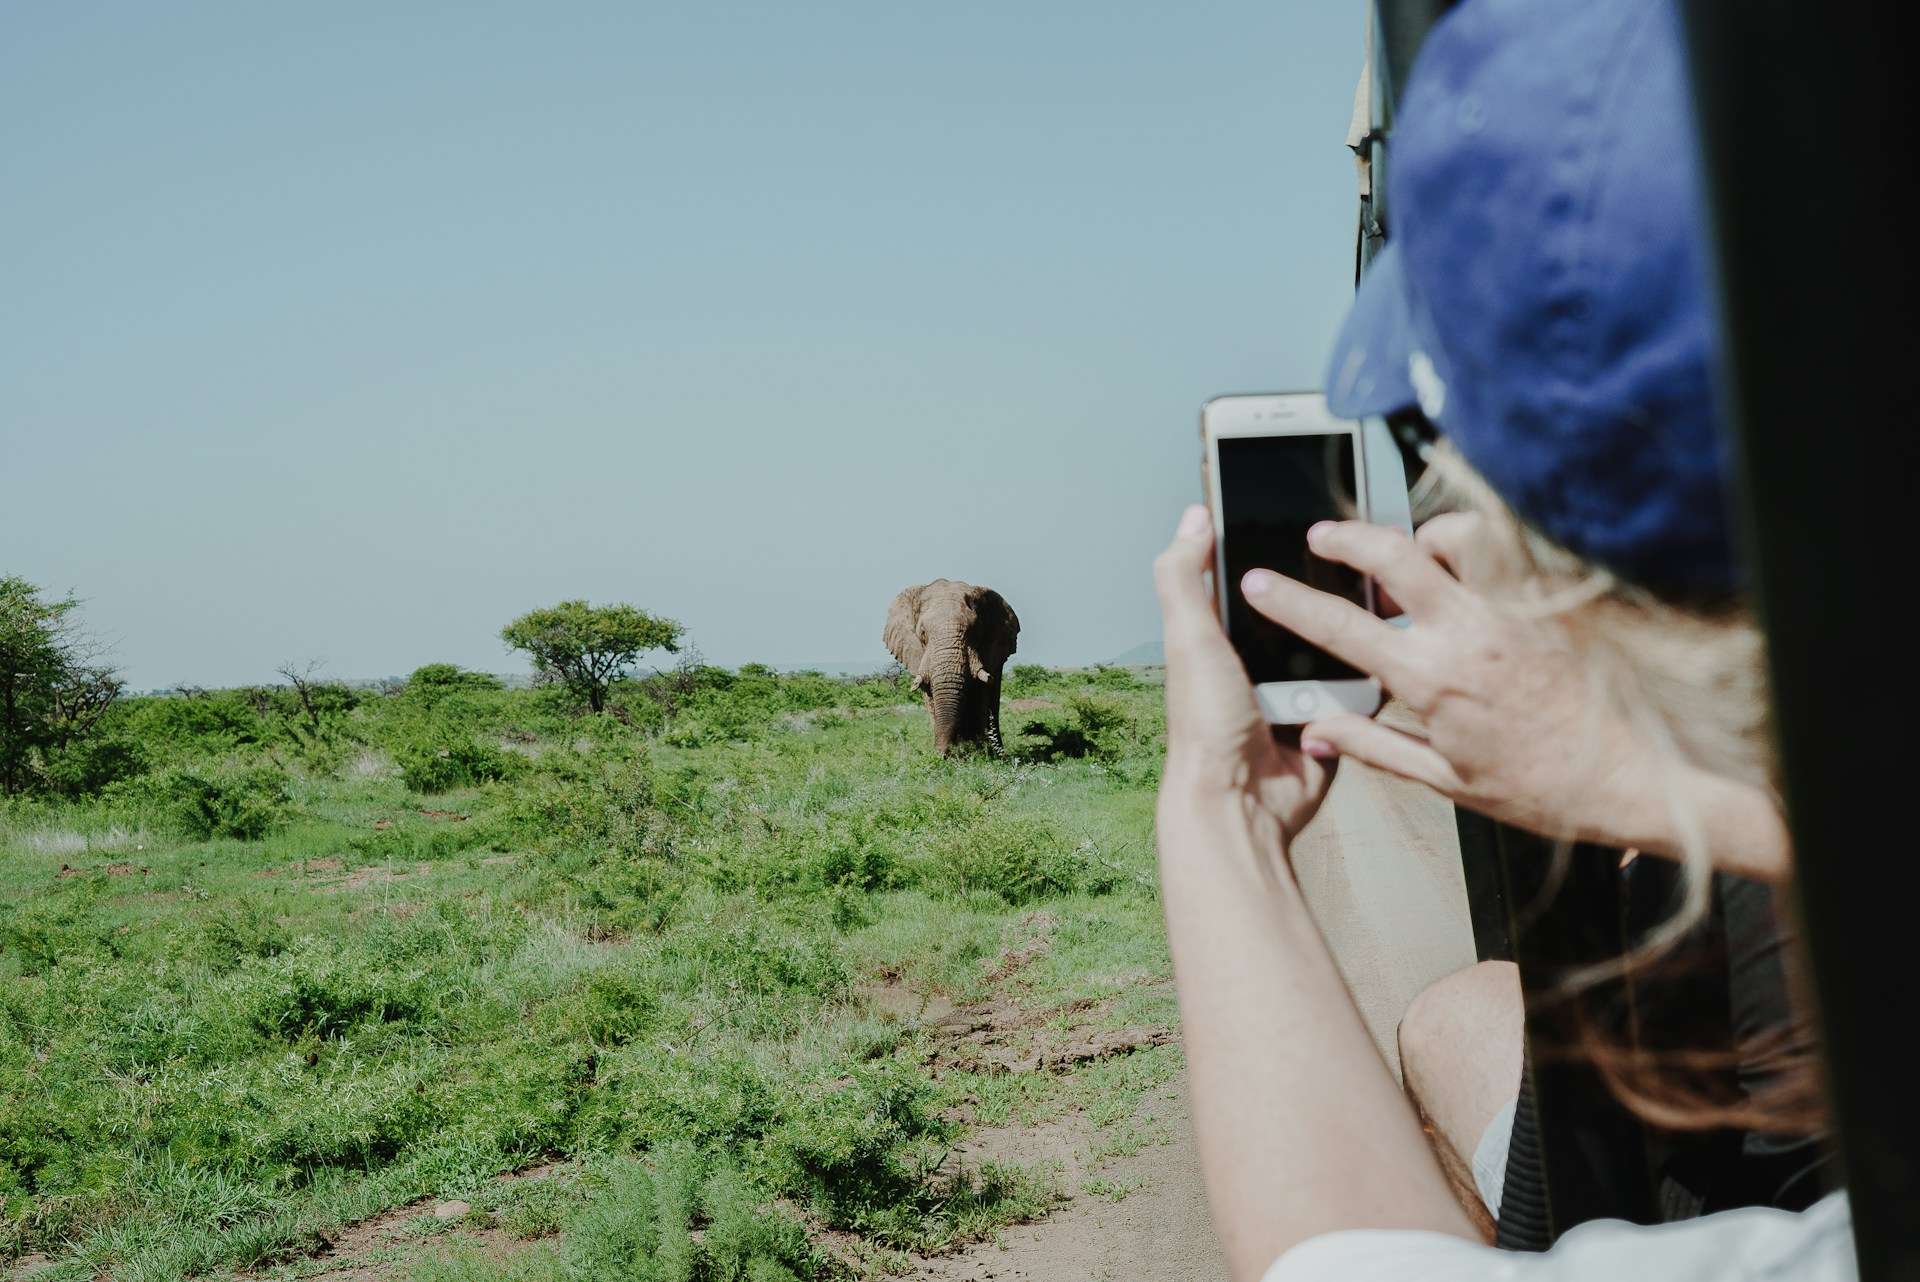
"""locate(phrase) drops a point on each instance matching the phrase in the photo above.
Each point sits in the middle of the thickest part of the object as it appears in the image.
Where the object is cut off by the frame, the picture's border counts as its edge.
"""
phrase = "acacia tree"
(588, 647)
(53, 689)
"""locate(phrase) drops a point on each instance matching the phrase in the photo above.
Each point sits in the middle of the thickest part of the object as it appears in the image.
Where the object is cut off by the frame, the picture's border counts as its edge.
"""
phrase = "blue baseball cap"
(1543, 296)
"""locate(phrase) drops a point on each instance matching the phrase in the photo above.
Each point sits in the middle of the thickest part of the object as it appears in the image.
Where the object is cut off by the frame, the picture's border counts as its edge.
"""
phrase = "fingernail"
(1258, 582)
(1193, 522)
(1318, 531)
(1319, 749)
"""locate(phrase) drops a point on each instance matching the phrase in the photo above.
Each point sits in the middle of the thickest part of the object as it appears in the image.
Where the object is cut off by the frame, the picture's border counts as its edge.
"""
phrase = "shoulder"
(1752, 1245)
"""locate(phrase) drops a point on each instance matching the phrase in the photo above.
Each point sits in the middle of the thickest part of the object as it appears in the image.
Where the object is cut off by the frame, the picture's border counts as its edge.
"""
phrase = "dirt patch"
(1000, 1036)
(366, 1251)
(110, 870)
(1139, 1216)
(891, 999)
(374, 875)
(399, 911)
(994, 1049)
(1030, 705)
(447, 815)
(308, 868)
(1013, 960)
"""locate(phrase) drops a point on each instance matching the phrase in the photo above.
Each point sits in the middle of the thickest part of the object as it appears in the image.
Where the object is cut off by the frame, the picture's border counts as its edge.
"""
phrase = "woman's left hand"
(1222, 758)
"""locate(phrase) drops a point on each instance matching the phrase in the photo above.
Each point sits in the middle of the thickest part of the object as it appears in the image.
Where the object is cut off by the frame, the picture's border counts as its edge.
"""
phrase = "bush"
(1089, 727)
(642, 1226)
(439, 678)
(614, 1006)
(245, 803)
(43, 933)
(1019, 860)
(311, 992)
(356, 1122)
(196, 724)
(88, 765)
(603, 841)
(238, 932)
(1030, 680)
(855, 1147)
(450, 760)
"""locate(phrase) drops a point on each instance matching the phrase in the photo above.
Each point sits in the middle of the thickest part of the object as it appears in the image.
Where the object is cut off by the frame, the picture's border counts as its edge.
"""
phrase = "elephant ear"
(996, 626)
(903, 628)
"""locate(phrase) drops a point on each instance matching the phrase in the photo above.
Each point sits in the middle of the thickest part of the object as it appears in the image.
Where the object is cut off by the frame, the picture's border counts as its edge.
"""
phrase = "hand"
(1514, 728)
(1220, 750)
(1301, 1130)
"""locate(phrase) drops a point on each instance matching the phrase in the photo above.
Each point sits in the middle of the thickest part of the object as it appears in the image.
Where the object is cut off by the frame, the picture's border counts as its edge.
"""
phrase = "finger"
(1380, 746)
(1207, 688)
(1179, 572)
(1408, 572)
(1448, 537)
(1331, 622)
(1384, 605)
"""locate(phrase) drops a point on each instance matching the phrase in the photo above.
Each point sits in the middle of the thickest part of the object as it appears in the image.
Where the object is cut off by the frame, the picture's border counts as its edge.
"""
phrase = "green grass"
(265, 988)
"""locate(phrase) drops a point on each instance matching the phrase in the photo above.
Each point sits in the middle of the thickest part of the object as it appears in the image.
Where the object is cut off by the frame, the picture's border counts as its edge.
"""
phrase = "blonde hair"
(1690, 683)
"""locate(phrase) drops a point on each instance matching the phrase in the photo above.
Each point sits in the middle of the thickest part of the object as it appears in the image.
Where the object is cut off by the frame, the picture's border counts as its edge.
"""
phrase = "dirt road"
(1381, 871)
(1151, 1223)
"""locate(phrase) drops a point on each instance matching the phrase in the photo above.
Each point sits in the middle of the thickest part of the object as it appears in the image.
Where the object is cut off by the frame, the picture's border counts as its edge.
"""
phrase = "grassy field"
(731, 968)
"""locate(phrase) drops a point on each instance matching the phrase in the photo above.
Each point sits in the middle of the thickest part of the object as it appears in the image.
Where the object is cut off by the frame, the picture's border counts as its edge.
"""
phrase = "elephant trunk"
(949, 679)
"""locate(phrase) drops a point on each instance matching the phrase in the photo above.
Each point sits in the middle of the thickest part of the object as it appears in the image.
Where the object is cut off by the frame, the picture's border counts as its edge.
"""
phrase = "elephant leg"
(993, 718)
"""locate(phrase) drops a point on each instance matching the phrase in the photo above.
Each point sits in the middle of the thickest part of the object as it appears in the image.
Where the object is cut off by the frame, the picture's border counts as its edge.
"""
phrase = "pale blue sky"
(348, 331)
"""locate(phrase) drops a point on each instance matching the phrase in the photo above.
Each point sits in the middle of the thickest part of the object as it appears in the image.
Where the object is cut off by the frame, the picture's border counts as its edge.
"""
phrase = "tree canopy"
(589, 647)
(53, 690)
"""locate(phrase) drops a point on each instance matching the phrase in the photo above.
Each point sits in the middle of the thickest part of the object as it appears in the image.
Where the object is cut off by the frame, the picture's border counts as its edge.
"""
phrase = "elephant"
(955, 638)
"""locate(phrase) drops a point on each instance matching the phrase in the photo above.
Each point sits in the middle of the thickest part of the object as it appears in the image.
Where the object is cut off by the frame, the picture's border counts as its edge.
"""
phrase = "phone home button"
(1305, 701)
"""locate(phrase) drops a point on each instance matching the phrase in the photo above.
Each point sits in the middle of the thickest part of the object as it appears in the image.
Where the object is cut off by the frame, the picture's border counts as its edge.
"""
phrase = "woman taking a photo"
(1578, 653)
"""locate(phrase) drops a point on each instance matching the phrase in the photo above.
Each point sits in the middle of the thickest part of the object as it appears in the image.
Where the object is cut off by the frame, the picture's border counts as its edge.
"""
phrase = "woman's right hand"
(1511, 726)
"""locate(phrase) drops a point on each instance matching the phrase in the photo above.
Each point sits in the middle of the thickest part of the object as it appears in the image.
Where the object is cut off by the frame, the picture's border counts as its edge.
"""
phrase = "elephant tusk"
(982, 674)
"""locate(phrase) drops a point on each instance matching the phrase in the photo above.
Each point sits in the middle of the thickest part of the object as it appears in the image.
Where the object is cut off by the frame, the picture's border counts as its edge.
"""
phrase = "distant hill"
(1146, 654)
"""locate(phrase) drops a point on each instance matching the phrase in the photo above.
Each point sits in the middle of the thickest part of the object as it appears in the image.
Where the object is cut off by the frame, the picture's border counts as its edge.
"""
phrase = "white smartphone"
(1276, 464)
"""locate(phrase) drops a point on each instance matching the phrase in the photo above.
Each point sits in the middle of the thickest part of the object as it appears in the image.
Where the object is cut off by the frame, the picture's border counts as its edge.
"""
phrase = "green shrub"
(354, 1121)
(854, 860)
(236, 933)
(1089, 727)
(200, 723)
(642, 1226)
(853, 1147)
(1030, 680)
(49, 930)
(88, 765)
(1017, 859)
(603, 843)
(434, 679)
(452, 760)
(315, 992)
(604, 805)
(245, 803)
(615, 1006)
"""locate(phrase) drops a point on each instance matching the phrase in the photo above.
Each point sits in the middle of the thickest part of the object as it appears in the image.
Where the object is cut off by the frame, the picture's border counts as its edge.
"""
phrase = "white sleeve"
(1751, 1245)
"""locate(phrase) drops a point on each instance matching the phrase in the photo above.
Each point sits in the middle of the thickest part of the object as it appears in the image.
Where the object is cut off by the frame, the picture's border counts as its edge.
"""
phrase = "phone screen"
(1272, 490)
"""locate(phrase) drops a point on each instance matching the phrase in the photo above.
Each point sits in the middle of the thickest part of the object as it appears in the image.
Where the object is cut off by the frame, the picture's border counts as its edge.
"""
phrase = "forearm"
(1301, 1128)
(1736, 826)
